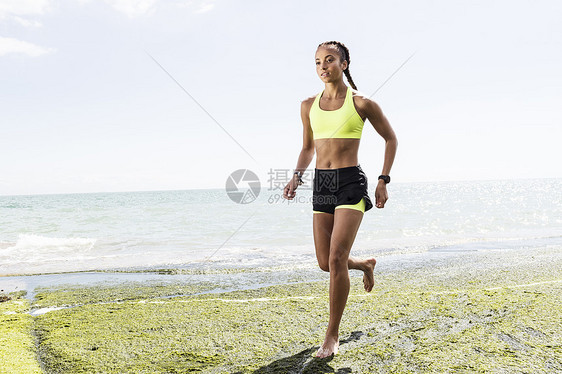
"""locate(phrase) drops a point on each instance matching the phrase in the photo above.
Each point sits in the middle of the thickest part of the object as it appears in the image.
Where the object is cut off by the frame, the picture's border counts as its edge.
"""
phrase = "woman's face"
(328, 64)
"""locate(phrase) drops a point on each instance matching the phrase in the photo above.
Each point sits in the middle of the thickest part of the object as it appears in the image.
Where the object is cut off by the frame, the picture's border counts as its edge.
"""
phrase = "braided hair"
(344, 54)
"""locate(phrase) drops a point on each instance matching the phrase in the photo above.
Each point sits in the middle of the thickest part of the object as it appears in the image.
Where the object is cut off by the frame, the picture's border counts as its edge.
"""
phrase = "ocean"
(194, 230)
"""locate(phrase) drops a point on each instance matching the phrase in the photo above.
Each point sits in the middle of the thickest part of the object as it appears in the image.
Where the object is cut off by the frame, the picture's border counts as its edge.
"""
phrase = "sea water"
(195, 229)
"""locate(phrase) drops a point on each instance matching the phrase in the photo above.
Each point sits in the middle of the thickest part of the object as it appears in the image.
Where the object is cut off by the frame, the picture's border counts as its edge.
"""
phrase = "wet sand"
(490, 311)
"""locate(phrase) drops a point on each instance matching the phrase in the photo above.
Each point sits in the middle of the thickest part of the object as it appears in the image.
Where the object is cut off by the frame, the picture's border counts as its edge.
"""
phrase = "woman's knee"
(324, 265)
(338, 260)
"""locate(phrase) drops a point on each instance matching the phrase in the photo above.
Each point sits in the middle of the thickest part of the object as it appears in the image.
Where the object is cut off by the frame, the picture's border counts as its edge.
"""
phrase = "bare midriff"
(336, 153)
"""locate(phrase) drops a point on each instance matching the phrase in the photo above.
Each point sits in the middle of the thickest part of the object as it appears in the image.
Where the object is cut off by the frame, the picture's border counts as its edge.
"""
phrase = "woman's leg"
(322, 225)
(345, 227)
(366, 266)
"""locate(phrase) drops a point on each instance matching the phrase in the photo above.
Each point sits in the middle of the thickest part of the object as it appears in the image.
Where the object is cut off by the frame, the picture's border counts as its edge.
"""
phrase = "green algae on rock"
(17, 344)
(399, 328)
(496, 312)
(106, 293)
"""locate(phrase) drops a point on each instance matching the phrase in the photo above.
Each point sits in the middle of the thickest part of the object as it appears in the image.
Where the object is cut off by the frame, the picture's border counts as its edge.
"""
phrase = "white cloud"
(200, 6)
(133, 8)
(15, 46)
(23, 7)
(205, 7)
(27, 23)
(13, 9)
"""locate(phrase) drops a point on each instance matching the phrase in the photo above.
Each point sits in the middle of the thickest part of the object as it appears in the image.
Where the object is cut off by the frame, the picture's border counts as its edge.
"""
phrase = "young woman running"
(333, 123)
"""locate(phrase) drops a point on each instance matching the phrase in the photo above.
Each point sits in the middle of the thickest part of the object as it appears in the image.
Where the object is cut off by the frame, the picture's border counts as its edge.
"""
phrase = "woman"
(333, 122)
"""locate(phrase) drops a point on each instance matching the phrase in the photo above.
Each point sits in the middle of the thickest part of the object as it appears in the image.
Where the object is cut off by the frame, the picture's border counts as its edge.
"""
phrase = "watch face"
(385, 178)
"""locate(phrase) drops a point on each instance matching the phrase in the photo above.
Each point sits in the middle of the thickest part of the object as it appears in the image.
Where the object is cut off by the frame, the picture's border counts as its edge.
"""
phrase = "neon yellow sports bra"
(344, 122)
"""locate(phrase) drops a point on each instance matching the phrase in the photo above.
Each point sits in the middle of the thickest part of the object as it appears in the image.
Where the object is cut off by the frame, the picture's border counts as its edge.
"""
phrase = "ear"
(344, 65)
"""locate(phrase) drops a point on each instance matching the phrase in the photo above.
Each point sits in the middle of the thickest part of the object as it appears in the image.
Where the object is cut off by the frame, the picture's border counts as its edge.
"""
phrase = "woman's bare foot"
(368, 275)
(330, 347)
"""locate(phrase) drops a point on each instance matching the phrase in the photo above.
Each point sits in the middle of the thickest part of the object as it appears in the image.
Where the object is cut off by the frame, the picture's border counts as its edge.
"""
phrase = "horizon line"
(394, 182)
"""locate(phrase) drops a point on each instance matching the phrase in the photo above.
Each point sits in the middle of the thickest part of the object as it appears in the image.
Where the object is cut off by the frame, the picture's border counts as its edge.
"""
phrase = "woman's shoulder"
(307, 103)
(365, 106)
(362, 101)
(360, 97)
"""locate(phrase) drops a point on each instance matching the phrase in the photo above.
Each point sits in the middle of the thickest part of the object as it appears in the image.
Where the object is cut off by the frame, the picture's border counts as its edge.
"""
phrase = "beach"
(467, 280)
(487, 311)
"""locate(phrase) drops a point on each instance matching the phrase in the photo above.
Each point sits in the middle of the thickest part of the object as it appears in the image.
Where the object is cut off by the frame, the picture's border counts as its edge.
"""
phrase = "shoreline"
(453, 258)
(480, 245)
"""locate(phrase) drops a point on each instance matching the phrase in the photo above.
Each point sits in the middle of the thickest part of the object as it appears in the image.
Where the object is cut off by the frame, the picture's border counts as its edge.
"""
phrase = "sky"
(131, 95)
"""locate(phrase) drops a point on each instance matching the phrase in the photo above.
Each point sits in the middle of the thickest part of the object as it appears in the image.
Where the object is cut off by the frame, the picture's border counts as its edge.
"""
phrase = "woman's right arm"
(307, 151)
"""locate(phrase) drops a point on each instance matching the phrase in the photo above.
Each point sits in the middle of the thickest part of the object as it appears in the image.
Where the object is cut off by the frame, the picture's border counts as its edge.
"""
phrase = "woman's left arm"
(374, 114)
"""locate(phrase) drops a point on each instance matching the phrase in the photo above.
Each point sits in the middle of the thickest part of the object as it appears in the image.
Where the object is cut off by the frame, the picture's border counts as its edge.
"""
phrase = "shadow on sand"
(305, 362)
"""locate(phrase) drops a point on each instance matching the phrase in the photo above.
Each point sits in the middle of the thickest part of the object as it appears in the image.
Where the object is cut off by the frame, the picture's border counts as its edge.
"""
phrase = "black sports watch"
(299, 177)
(385, 178)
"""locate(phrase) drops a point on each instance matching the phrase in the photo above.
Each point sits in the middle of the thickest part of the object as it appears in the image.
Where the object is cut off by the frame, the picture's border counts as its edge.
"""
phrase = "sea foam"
(41, 244)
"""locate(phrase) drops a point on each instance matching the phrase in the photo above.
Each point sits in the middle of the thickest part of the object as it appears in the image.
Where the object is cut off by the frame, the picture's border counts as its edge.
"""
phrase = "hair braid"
(344, 53)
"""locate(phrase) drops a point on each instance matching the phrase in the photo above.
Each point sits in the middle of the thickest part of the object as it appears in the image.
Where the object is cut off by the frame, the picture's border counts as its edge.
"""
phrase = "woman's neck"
(334, 90)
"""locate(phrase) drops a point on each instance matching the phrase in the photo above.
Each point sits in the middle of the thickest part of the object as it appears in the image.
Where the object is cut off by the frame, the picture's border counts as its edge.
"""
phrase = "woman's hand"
(381, 195)
(289, 191)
